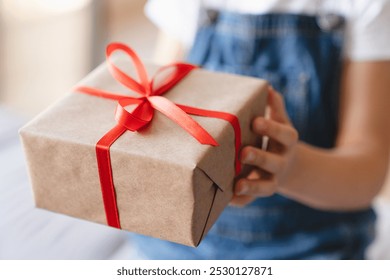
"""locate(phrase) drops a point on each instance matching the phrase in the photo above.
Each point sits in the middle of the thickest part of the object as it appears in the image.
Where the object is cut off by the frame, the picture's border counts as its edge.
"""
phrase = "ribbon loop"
(142, 88)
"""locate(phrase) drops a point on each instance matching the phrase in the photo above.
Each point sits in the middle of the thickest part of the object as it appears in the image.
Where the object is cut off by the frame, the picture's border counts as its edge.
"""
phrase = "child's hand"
(271, 166)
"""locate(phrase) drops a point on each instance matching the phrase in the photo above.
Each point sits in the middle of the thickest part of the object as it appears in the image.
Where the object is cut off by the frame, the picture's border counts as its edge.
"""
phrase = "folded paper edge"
(208, 216)
(211, 218)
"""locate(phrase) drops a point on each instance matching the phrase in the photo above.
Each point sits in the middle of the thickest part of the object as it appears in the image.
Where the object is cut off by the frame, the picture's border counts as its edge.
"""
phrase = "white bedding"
(30, 233)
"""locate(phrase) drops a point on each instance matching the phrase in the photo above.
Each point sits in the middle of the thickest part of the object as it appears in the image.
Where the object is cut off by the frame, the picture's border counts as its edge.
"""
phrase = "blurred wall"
(46, 48)
(128, 24)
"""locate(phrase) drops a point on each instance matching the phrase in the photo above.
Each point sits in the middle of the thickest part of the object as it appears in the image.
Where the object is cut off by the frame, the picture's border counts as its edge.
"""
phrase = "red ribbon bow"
(150, 99)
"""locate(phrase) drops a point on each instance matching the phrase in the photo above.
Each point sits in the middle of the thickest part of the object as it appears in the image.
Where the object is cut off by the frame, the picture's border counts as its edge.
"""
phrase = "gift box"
(169, 177)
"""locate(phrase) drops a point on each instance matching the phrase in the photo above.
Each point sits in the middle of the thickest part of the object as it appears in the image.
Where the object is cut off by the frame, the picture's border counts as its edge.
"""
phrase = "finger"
(282, 133)
(257, 188)
(277, 107)
(241, 200)
(255, 174)
(265, 160)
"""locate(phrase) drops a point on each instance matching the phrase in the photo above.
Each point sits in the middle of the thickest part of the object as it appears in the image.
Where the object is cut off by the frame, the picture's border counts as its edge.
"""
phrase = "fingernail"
(243, 189)
(249, 157)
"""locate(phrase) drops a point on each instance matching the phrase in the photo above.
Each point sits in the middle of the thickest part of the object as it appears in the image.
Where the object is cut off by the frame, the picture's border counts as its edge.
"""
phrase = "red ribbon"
(150, 99)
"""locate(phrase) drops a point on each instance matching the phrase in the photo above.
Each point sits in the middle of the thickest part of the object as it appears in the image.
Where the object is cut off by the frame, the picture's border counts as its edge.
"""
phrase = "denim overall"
(302, 61)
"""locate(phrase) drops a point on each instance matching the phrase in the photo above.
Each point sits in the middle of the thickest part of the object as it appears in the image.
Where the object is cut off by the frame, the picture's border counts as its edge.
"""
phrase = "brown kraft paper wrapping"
(167, 184)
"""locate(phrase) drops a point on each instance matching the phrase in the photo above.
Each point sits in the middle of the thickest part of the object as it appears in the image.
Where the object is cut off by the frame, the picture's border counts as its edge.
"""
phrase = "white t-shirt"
(367, 21)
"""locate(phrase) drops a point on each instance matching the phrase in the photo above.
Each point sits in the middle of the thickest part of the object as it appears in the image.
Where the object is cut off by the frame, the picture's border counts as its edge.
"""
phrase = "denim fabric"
(303, 62)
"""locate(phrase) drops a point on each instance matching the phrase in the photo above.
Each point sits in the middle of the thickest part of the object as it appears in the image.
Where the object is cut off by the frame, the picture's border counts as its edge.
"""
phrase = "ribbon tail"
(105, 174)
(232, 119)
(176, 114)
(99, 93)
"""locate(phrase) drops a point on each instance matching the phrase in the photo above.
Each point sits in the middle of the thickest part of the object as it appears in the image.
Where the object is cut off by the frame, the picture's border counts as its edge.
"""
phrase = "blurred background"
(46, 46)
